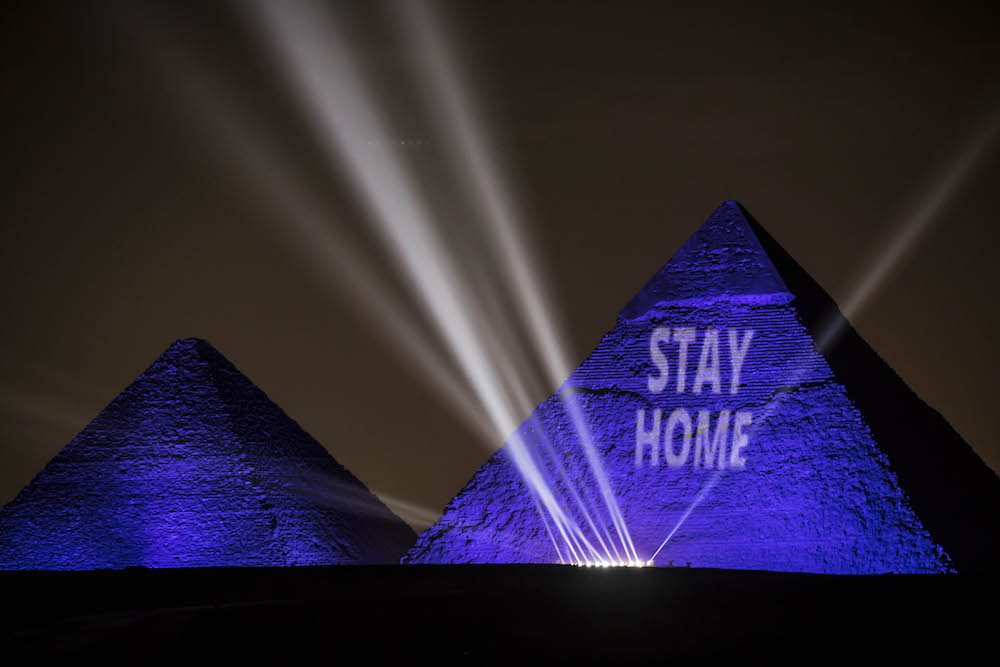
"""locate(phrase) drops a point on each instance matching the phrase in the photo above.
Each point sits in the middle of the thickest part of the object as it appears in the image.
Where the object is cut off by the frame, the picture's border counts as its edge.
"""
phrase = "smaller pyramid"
(193, 466)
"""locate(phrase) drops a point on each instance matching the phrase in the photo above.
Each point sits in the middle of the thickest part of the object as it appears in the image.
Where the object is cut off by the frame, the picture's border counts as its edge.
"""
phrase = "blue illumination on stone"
(192, 465)
(817, 491)
(718, 422)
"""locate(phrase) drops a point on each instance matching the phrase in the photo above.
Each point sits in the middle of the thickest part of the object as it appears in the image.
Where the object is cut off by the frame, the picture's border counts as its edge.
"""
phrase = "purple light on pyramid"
(723, 428)
(190, 466)
(729, 439)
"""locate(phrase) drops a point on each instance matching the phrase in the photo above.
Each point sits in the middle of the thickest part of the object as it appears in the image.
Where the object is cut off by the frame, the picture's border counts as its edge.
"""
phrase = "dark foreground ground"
(482, 615)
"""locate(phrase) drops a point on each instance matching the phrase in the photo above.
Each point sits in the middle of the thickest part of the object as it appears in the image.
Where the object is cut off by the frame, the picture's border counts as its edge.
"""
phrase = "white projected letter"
(737, 354)
(678, 416)
(739, 438)
(708, 371)
(683, 337)
(650, 437)
(706, 447)
(660, 335)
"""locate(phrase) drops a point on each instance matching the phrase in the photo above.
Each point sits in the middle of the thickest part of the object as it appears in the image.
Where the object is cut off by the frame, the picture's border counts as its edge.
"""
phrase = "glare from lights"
(316, 57)
(927, 209)
(469, 150)
(316, 234)
(615, 563)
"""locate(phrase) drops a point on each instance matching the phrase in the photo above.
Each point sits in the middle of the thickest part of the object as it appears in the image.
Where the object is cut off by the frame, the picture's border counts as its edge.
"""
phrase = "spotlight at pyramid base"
(615, 563)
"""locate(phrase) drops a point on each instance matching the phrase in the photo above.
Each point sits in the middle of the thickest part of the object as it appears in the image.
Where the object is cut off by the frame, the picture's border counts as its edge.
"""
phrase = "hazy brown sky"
(623, 125)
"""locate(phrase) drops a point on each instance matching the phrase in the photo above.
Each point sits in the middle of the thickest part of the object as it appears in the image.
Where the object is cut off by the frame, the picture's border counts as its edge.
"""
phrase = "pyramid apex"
(722, 260)
(191, 347)
(189, 343)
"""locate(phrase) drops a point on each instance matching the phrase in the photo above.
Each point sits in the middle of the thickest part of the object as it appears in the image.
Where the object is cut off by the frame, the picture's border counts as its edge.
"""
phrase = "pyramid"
(193, 466)
(721, 425)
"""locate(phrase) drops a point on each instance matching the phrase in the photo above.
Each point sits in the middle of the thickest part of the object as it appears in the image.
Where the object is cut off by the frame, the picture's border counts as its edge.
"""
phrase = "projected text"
(703, 439)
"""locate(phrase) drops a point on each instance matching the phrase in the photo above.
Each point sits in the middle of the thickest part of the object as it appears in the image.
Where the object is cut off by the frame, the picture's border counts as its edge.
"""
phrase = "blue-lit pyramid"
(190, 466)
(805, 460)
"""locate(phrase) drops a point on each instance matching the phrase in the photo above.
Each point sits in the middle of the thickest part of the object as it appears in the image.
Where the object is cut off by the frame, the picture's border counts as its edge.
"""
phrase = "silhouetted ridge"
(955, 493)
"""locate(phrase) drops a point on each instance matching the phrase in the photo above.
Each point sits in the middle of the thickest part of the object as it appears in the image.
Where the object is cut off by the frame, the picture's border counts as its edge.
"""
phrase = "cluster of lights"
(616, 563)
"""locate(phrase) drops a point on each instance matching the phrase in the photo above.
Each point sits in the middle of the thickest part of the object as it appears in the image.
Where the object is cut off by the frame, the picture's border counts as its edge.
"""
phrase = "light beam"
(316, 58)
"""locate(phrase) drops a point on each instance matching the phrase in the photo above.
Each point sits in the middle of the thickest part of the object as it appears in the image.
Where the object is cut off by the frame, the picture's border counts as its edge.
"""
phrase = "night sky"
(621, 127)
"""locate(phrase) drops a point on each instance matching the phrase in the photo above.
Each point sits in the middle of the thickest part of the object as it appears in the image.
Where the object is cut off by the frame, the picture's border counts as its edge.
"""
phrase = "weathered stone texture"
(818, 493)
(192, 465)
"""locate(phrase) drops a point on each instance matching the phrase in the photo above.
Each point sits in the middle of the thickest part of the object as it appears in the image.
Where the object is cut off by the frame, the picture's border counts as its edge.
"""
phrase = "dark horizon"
(621, 128)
